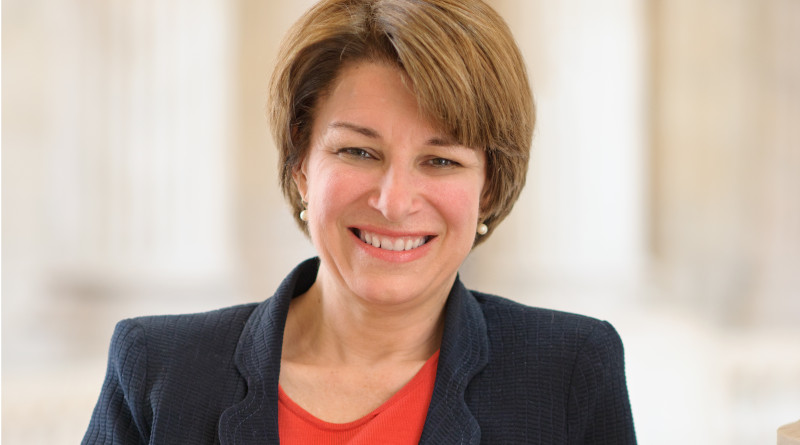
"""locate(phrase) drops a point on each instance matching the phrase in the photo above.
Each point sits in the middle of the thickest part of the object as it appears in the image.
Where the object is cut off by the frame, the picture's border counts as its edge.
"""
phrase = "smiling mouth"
(396, 244)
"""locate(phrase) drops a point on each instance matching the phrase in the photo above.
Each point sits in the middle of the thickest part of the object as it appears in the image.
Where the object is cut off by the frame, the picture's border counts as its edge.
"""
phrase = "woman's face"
(393, 203)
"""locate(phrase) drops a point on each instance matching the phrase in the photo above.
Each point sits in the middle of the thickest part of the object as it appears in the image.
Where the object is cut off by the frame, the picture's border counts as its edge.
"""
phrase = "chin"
(393, 290)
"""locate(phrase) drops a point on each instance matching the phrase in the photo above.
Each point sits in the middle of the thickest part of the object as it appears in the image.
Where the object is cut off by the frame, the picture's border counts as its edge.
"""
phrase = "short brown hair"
(465, 68)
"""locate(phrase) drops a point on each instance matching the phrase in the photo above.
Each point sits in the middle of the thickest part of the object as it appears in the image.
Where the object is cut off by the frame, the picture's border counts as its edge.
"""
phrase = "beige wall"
(580, 225)
(725, 164)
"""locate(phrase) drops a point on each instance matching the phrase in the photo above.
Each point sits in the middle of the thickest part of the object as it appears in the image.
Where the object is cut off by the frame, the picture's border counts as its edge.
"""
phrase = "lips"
(391, 243)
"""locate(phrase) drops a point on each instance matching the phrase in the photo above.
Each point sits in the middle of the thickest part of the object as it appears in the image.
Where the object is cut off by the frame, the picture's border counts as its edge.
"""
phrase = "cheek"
(459, 203)
(331, 190)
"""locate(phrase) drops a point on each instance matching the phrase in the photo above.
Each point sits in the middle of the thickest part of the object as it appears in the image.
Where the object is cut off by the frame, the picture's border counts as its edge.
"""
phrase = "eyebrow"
(370, 133)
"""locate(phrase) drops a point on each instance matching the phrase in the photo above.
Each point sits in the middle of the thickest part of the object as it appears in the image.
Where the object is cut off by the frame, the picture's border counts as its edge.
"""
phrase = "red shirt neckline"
(294, 419)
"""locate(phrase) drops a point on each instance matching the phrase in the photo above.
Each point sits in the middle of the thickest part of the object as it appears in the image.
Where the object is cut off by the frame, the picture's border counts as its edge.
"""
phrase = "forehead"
(374, 95)
(370, 83)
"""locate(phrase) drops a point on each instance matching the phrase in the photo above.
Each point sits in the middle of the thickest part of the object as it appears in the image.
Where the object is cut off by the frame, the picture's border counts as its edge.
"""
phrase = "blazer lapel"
(464, 353)
(254, 420)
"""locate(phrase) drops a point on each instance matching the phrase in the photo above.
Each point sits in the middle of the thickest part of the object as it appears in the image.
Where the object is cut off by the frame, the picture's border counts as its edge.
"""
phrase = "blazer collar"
(254, 420)
(464, 352)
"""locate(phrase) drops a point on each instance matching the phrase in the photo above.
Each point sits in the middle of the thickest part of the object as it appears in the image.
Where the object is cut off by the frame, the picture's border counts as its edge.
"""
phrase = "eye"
(442, 163)
(355, 153)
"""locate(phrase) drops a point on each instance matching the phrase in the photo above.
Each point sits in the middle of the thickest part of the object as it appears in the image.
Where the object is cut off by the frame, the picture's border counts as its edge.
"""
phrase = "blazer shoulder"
(158, 364)
(217, 323)
(503, 311)
(569, 366)
(166, 338)
(561, 334)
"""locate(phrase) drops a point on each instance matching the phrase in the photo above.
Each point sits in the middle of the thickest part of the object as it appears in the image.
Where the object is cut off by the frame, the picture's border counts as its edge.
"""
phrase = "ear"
(300, 176)
(485, 201)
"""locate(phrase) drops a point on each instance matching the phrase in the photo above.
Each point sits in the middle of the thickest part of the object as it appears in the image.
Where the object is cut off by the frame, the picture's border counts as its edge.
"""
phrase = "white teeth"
(393, 244)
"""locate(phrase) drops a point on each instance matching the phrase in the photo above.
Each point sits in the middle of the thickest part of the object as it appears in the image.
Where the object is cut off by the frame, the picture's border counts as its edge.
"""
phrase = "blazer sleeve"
(118, 416)
(599, 408)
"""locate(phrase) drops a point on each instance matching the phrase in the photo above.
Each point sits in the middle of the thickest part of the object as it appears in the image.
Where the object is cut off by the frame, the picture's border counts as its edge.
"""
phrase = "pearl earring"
(304, 212)
(483, 229)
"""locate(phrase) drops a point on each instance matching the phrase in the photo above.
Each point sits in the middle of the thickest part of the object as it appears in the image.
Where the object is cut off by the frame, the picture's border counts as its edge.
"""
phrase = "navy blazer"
(507, 374)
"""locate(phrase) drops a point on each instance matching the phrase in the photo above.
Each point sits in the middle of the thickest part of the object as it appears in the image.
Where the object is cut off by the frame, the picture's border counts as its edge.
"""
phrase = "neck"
(329, 325)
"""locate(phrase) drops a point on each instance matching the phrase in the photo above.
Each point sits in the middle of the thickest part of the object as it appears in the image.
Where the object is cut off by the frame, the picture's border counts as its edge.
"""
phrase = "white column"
(581, 219)
(140, 186)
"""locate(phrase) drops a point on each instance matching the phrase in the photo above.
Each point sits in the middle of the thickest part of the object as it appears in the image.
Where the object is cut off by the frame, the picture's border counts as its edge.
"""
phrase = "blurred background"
(138, 177)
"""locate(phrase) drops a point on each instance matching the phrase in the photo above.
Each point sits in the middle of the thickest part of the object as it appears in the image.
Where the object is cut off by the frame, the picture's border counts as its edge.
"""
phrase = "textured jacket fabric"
(507, 374)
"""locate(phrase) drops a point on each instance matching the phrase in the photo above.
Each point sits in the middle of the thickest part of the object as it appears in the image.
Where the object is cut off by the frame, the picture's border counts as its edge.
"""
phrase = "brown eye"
(357, 153)
(442, 163)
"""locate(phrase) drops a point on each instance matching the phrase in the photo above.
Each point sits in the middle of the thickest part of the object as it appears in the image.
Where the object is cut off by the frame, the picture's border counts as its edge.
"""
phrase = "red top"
(398, 421)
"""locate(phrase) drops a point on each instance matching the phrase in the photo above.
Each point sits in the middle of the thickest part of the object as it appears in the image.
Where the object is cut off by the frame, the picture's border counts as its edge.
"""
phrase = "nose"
(396, 196)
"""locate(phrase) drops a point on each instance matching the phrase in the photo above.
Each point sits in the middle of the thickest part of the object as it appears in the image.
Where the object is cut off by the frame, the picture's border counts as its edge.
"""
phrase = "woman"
(404, 128)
